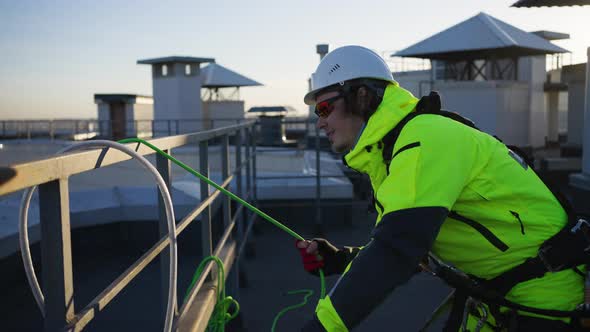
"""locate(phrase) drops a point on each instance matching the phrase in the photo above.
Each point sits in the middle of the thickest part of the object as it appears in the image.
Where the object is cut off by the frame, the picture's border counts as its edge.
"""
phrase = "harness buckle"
(583, 225)
(542, 254)
(581, 222)
(474, 306)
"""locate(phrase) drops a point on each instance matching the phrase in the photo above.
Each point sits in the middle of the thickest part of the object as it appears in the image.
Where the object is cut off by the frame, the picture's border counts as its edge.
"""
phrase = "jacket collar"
(396, 104)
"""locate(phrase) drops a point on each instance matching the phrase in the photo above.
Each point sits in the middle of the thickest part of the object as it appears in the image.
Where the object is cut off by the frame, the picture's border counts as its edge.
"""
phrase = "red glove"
(323, 255)
(311, 261)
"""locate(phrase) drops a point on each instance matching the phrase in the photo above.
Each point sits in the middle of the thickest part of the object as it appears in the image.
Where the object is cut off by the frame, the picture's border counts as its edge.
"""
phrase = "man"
(447, 188)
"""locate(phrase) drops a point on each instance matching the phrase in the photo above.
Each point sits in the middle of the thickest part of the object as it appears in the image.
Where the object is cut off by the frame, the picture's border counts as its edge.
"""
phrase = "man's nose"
(320, 123)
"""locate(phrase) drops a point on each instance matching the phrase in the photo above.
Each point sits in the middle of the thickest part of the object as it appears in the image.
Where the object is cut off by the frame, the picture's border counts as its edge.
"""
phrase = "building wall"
(563, 113)
(139, 119)
(417, 82)
(574, 77)
(533, 71)
(474, 100)
(223, 113)
(103, 118)
(177, 95)
(496, 107)
(513, 113)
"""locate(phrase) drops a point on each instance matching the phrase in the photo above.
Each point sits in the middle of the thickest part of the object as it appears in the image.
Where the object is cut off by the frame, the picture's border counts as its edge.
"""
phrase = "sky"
(55, 55)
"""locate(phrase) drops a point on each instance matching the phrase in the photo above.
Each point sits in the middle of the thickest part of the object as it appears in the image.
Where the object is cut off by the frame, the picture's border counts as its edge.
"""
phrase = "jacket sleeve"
(389, 260)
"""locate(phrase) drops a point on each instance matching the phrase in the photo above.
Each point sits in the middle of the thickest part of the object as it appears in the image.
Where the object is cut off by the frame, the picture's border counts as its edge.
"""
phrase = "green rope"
(215, 185)
(222, 315)
(307, 292)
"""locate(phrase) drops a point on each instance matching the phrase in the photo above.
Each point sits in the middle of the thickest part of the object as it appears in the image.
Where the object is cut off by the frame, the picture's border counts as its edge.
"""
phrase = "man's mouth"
(330, 134)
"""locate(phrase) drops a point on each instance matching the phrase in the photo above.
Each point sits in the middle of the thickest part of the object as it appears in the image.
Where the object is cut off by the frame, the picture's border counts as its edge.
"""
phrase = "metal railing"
(52, 176)
(47, 128)
(89, 128)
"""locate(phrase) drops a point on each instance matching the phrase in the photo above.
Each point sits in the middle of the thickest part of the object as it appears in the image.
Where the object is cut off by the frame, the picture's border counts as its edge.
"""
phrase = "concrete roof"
(174, 58)
(217, 76)
(550, 3)
(267, 109)
(117, 97)
(479, 37)
(551, 35)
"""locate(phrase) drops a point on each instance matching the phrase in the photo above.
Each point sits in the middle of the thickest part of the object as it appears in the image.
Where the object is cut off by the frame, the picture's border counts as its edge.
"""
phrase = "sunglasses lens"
(322, 109)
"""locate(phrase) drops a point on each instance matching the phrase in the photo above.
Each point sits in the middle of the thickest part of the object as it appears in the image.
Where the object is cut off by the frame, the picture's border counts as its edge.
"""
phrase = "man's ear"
(362, 99)
(362, 92)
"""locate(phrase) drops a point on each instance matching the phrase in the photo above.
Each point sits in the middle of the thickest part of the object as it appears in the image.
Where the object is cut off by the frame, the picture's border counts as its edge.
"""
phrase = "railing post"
(206, 238)
(56, 254)
(233, 275)
(249, 246)
(253, 145)
(225, 173)
(248, 178)
(240, 216)
(240, 222)
(318, 190)
(164, 168)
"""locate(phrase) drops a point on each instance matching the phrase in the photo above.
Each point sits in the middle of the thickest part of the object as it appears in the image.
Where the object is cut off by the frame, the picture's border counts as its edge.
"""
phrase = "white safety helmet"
(344, 64)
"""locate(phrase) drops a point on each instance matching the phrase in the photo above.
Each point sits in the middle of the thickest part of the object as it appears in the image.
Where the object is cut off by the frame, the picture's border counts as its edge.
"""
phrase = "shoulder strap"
(430, 104)
(427, 105)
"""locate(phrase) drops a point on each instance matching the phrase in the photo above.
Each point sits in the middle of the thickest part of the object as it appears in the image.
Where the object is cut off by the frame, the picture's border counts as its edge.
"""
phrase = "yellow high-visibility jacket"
(438, 162)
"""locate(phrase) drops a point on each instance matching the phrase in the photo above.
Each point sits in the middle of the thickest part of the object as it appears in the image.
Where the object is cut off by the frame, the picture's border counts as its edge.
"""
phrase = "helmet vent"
(334, 68)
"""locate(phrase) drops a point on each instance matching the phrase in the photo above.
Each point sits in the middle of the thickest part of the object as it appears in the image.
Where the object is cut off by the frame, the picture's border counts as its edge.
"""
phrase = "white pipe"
(24, 237)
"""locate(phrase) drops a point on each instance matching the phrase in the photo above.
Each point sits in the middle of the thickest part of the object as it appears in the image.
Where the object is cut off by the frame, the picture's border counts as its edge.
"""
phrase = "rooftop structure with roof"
(124, 115)
(491, 72)
(176, 85)
(479, 37)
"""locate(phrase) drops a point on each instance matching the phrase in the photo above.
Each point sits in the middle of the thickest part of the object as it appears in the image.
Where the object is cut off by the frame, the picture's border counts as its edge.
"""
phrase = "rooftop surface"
(122, 193)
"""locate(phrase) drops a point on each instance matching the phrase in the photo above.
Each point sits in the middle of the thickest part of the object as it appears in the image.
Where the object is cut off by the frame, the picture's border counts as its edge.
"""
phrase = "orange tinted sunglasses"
(324, 108)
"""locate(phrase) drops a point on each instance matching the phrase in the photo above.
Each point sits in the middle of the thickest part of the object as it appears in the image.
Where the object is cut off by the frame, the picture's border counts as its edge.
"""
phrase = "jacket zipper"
(515, 214)
(493, 239)
(378, 203)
